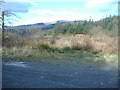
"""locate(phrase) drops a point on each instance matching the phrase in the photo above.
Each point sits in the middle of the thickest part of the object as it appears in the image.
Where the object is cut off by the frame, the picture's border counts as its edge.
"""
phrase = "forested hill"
(109, 24)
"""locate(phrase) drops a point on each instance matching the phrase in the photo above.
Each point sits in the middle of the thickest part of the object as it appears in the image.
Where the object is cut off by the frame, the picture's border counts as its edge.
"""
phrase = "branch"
(14, 15)
(10, 23)
(8, 13)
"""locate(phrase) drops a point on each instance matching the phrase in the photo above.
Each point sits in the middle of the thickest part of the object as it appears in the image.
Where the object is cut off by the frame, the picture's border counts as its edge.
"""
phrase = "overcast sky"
(37, 11)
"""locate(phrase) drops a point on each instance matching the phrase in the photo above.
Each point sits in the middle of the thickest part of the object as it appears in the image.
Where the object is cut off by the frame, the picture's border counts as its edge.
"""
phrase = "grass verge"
(48, 54)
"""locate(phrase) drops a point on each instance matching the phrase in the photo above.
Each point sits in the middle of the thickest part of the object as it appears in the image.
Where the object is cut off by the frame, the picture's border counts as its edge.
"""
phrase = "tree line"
(83, 27)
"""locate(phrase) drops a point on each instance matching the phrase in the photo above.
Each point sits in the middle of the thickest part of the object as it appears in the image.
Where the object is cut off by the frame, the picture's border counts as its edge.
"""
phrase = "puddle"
(19, 64)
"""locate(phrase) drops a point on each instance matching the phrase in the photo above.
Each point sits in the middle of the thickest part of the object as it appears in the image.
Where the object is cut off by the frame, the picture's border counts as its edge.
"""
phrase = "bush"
(46, 47)
(43, 47)
(77, 48)
(54, 49)
(66, 49)
(12, 42)
(52, 42)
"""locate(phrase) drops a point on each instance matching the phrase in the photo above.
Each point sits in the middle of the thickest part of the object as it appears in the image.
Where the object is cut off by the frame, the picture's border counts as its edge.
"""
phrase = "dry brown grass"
(105, 44)
(100, 43)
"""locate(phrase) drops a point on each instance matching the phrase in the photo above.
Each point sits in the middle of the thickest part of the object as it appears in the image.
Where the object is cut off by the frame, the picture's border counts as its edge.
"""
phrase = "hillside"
(71, 40)
(108, 25)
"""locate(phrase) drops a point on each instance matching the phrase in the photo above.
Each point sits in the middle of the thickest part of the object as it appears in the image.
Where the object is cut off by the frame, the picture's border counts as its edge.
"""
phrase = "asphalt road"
(58, 75)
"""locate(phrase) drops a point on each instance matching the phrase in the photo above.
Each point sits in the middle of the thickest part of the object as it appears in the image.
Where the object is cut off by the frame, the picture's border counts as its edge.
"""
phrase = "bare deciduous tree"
(4, 14)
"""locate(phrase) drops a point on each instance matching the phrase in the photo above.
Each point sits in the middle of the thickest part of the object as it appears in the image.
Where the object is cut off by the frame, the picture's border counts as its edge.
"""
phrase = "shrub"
(76, 48)
(43, 47)
(46, 47)
(12, 42)
(52, 42)
(54, 49)
(66, 49)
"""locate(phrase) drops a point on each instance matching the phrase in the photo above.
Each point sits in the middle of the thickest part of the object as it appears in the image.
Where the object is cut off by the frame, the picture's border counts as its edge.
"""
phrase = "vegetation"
(52, 42)
(84, 27)
(74, 40)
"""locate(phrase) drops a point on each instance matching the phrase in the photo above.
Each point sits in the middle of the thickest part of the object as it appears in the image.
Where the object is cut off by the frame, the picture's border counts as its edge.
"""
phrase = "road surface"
(65, 74)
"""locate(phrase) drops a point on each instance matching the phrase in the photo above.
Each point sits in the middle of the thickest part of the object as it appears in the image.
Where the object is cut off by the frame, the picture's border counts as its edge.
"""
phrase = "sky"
(49, 11)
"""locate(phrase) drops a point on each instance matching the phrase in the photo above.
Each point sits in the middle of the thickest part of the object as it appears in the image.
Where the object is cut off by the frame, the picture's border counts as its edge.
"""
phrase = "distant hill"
(25, 30)
(63, 26)
(38, 24)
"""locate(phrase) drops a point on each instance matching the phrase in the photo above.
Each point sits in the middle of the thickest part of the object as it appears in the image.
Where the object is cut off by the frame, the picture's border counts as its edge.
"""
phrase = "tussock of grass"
(43, 47)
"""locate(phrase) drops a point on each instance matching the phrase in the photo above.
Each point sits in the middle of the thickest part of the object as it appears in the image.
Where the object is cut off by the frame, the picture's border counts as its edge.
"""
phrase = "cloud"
(51, 15)
(112, 10)
(32, 2)
(48, 15)
(58, 0)
(44, 0)
(105, 7)
(16, 6)
(17, 0)
(98, 3)
(50, 12)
